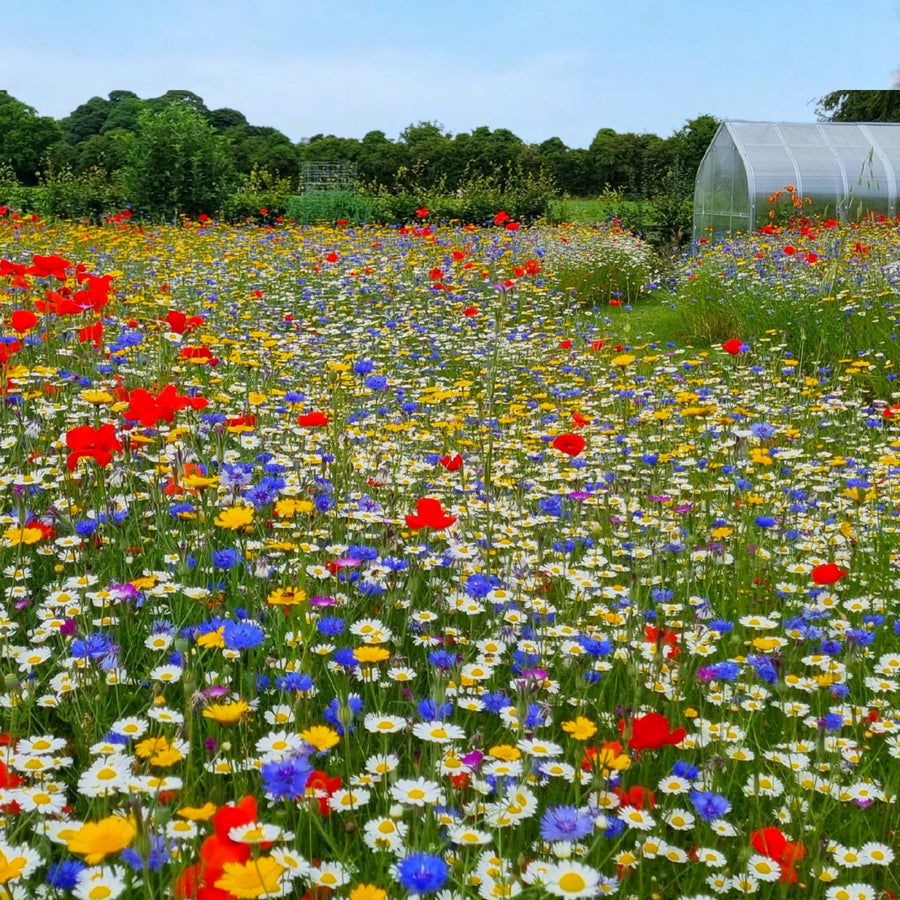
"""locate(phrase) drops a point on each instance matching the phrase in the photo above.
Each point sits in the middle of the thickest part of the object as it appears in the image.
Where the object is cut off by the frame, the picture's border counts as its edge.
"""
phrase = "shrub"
(330, 207)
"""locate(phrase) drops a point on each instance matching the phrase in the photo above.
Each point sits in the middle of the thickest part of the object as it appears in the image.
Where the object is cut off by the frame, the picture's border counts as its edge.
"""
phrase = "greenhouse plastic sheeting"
(842, 170)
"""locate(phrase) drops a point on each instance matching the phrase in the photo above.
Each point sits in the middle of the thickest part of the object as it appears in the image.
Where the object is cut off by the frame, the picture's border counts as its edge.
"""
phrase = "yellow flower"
(227, 713)
(195, 482)
(610, 758)
(150, 746)
(624, 360)
(506, 752)
(17, 536)
(257, 878)
(198, 813)
(235, 517)
(256, 399)
(761, 457)
(286, 597)
(96, 397)
(97, 840)
(11, 867)
(722, 531)
(371, 654)
(212, 638)
(368, 892)
(288, 508)
(580, 728)
(321, 737)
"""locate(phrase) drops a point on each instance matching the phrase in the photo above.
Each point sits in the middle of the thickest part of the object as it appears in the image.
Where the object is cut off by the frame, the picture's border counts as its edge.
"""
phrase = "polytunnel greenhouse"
(754, 172)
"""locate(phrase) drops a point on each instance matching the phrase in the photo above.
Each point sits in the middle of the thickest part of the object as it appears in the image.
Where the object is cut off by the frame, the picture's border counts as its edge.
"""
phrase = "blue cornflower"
(295, 681)
(64, 875)
(376, 382)
(86, 527)
(285, 779)
(441, 659)
(157, 857)
(765, 521)
(227, 558)
(684, 769)
(478, 586)
(364, 367)
(709, 806)
(330, 626)
(431, 711)
(422, 873)
(565, 823)
(242, 635)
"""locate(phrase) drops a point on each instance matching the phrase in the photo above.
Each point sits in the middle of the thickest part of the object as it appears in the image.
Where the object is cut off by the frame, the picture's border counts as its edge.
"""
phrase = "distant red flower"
(570, 444)
(615, 301)
(429, 514)
(637, 796)
(830, 223)
(827, 573)
(662, 637)
(501, 217)
(179, 323)
(313, 420)
(451, 464)
(512, 226)
(566, 344)
(435, 274)
(812, 257)
(331, 257)
(789, 250)
(241, 422)
(470, 311)
(23, 320)
(97, 443)
(202, 352)
(733, 346)
(422, 213)
(650, 732)
(596, 345)
(579, 420)
(532, 267)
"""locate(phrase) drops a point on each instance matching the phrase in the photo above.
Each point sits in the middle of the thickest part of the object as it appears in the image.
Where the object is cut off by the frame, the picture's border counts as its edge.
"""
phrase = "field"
(369, 562)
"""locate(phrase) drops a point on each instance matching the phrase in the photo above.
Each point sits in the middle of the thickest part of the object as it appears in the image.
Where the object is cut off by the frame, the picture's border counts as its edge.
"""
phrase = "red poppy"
(501, 217)
(320, 784)
(331, 257)
(615, 302)
(422, 213)
(579, 420)
(201, 353)
(470, 311)
(435, 274)
(149, 410)
(97, 443)
(512, 226)
(789, 250)
(532, 267)
(458, 255)
(733, 346)
(772, 843)
(241, 422)
(451, 465)
(637, 796)
(23, 320)
(827, 573)
(179, 323)
(650, 732)
(830, 223)
(429, 514)
(313, 420)
(91, 333)
(566, 344)
(812, 257)
(570, 444)
(596, 345)
(49, 267)
(662, 637)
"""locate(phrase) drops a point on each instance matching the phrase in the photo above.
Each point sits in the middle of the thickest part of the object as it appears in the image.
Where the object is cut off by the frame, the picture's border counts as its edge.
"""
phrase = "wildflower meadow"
(374, 562)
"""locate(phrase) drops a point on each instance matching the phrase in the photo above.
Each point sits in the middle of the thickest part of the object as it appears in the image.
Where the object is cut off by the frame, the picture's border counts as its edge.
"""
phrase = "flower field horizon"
(371, 562)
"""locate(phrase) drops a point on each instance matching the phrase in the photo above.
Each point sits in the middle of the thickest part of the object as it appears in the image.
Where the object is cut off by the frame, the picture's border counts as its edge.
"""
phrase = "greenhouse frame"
(755, 172)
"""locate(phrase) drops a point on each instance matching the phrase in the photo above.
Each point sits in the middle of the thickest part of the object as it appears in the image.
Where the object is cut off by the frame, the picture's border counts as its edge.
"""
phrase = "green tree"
(85, 120)
(380, 159)
(25, 137)
(124, 115)
(178, 164)
(688, 145)
(860, 106)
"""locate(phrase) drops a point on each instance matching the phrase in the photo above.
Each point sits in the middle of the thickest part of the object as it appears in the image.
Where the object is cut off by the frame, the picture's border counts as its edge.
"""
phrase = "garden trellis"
(842, 170)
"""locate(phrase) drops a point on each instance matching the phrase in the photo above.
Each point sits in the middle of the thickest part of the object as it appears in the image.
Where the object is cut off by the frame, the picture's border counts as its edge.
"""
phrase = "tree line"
(103, 133)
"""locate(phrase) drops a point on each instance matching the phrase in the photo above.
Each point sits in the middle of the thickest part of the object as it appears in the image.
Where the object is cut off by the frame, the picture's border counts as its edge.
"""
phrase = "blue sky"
(539, 68)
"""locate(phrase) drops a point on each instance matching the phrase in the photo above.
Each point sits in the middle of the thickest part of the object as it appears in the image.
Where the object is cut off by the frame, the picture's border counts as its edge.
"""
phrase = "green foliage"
(259, 190)
(860, 106)
(710, 308)
(178, 165)
(24, 138)
(330, 207)
(61, 193)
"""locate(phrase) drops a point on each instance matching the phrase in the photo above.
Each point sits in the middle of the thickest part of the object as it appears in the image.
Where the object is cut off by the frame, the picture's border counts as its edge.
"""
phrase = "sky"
(540, 68)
